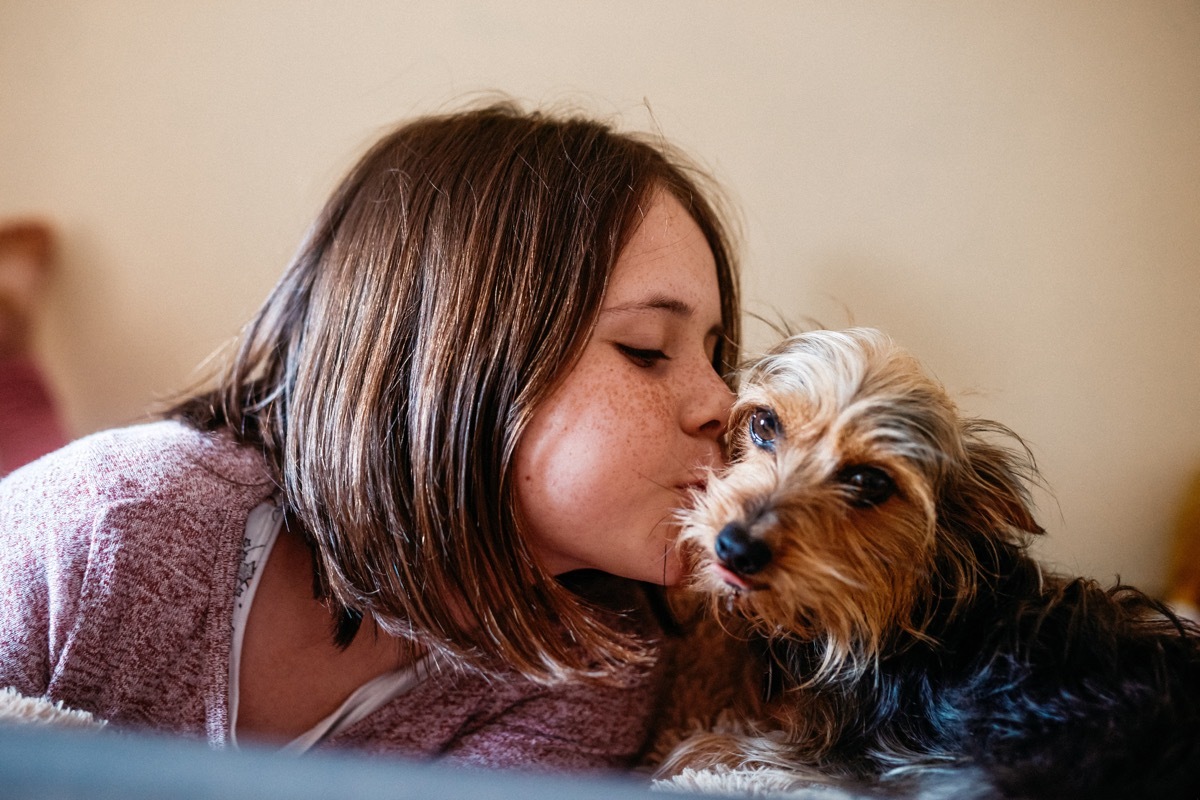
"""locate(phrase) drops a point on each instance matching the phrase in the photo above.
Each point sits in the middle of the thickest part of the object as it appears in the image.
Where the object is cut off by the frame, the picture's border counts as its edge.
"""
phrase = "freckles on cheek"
(646, 416)
(633, 426)
(602, 427)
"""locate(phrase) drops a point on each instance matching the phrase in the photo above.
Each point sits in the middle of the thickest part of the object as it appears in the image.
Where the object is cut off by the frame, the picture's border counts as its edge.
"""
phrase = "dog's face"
(833, 513)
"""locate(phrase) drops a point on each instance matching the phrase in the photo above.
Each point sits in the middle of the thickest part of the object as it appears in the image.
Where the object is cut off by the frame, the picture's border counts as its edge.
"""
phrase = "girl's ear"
(993, 484)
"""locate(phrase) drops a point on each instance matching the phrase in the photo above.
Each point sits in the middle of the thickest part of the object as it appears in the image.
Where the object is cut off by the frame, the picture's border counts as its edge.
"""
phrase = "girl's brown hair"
(450, 282)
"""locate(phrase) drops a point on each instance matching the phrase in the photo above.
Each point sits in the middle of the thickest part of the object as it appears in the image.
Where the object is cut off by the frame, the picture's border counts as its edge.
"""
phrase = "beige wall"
(1011, 188)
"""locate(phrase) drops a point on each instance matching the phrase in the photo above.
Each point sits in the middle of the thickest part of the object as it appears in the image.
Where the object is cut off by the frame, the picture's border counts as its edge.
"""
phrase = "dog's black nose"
(741, 553)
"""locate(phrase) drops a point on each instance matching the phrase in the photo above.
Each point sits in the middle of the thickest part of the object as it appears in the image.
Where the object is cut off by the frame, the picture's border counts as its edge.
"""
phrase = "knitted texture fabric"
(119, 557)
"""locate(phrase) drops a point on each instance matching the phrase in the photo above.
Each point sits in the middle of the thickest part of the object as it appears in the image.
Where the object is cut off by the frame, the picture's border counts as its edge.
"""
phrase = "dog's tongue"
(731, 578)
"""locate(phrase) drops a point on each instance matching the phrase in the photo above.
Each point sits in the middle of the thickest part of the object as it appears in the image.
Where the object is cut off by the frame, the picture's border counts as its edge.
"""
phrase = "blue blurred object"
(42, 762)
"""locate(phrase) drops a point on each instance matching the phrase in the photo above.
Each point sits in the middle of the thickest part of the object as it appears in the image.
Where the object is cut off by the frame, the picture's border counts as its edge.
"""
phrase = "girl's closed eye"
(643, 357)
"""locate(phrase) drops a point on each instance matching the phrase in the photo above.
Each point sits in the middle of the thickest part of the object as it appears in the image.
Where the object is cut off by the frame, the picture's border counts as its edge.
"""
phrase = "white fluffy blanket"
(16, 708)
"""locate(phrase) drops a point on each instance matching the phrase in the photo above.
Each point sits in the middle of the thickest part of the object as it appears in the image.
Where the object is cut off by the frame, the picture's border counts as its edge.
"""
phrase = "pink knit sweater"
(118, 561)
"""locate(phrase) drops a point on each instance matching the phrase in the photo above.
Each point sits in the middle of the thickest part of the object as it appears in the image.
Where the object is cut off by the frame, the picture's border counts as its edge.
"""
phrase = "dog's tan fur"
(851, 576)
(847, 577)
(850, 584)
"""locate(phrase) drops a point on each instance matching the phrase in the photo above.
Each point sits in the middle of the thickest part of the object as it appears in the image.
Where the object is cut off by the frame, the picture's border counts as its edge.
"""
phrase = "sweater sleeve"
(572, 727)
(118, 558)
(45, 545)
(575, 725)
(501, 719)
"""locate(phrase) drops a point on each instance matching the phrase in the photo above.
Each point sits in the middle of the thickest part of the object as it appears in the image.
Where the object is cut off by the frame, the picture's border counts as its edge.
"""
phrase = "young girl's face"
(615, 449)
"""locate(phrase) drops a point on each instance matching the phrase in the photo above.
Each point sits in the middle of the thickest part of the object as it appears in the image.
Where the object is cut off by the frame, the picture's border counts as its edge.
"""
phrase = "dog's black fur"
(1055, 688)
(1049, 686)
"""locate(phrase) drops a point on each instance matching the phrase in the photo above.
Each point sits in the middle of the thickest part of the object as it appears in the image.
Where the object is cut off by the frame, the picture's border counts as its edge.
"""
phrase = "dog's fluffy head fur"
(859, 504)
(875, 542)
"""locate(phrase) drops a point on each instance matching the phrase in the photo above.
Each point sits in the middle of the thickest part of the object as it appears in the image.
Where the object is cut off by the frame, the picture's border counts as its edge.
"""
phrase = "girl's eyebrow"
(662, 302)
(658, 302)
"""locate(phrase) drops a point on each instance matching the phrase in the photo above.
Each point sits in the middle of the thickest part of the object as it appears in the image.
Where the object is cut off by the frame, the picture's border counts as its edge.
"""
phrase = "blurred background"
(1011, 189)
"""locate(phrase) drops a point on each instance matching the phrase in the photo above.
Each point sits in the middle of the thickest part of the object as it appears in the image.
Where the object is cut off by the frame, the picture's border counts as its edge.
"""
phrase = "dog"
(868, 548)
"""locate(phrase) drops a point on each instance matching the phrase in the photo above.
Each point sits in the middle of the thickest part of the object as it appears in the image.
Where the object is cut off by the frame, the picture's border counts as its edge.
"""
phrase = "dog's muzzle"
(739, 552)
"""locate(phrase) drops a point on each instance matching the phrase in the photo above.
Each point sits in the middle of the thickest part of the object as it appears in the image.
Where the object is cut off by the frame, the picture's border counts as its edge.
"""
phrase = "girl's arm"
(44, 545)
(577, 725)
(504, 720)
(572, 727)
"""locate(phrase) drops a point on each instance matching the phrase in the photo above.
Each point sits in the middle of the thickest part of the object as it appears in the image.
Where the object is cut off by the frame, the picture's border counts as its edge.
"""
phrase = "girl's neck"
(292, 674)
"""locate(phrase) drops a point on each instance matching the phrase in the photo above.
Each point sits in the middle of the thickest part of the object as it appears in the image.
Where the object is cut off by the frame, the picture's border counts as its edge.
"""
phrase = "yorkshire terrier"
(869, 547)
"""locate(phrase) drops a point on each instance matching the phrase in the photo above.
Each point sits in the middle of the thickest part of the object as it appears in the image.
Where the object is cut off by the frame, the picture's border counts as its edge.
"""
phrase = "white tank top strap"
(262, 529)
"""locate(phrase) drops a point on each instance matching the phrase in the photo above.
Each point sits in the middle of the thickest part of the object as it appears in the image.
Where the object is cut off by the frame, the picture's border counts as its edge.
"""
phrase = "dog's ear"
(993, 485)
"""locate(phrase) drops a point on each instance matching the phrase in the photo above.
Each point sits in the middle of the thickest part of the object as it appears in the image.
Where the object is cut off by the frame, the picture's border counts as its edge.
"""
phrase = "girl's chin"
(670, 574)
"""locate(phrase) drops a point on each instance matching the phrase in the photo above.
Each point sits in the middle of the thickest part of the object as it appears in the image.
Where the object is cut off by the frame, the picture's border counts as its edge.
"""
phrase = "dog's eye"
(764, 427)
(867, 486)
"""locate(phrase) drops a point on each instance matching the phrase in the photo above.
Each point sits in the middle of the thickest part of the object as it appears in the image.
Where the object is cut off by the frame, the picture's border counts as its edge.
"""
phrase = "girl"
(418, 509)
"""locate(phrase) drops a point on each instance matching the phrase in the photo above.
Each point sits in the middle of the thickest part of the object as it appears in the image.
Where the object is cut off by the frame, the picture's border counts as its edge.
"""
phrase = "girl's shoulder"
(120, 552)
(576, 724)
(501, 719)
(141, 489)
(147, 460)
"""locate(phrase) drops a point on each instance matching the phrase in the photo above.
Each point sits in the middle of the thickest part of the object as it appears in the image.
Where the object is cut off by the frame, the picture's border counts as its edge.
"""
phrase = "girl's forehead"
(667, 265)
(664, 225)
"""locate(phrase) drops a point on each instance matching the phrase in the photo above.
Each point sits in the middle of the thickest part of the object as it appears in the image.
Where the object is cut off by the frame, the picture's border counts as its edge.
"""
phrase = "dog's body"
(869, 548)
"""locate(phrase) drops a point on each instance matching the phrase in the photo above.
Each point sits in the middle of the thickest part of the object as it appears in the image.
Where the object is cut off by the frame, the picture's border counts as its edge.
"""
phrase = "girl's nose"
(707, 411)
